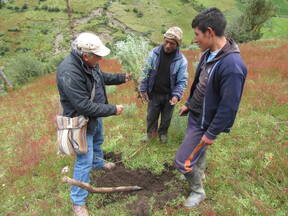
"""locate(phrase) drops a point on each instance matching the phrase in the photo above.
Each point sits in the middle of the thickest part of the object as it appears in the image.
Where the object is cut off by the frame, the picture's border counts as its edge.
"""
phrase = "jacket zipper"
(209, 75)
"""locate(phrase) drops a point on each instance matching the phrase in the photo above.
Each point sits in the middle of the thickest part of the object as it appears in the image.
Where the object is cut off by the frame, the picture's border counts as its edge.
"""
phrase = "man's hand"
(183, 110)
(174, 100)
(128, 77)
(119, 109)
(144, 96)
(206, 141)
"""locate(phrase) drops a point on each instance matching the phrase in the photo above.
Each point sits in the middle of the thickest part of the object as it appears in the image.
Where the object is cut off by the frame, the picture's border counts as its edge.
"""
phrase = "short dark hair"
(210, 17)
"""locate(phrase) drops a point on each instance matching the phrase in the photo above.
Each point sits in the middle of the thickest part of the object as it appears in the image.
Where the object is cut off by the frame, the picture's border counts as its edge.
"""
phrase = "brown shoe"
(109, 166)
(80, 210)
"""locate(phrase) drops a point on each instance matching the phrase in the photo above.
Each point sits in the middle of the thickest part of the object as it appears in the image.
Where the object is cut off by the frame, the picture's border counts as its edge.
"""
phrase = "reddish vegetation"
(266, 63)
(23, 109)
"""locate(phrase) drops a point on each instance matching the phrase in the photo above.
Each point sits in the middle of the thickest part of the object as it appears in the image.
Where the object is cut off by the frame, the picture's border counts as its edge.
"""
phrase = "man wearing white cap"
(76, 76)
(164, 83)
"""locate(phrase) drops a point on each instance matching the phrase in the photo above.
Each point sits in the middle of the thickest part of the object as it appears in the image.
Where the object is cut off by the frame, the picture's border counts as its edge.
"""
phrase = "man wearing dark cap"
(165, 78)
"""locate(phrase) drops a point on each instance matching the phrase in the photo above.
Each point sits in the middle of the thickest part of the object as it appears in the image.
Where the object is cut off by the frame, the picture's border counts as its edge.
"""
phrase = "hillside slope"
(40, 28)
(247, 169)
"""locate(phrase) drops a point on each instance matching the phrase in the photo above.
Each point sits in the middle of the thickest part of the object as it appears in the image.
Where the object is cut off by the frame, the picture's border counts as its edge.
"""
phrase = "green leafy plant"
(248, 26)
(23, 68)
(132, 54)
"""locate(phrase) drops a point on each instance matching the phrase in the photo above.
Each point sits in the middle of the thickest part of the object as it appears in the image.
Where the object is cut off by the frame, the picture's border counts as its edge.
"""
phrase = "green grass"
(38, 28)
(276, 27)
(247, 169)
(281, 7)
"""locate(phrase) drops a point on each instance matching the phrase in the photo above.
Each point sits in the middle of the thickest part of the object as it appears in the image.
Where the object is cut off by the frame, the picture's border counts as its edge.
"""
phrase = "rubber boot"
(197, 194)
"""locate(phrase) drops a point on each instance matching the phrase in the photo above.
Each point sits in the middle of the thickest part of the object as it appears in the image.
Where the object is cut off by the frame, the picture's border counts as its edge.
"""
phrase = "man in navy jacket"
(214, 98)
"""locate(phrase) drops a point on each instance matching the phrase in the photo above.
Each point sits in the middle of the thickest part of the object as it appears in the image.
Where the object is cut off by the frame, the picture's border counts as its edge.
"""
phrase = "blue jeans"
(85, 162)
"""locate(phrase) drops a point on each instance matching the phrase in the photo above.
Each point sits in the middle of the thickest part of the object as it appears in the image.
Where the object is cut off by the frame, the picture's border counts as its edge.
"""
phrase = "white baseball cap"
(90, 43)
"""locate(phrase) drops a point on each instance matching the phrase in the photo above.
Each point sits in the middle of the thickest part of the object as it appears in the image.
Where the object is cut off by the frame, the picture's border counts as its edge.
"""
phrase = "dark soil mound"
(153, 186)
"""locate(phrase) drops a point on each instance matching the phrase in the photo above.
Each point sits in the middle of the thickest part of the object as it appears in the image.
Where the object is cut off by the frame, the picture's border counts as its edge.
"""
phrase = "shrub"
(107, 5)
(14, 30)
(140, 14)
(24, 7)
(2, 4)
(132, 54)
(23, 68)
(135, 10)
(16, 8)
(22, 49)
(52, 64)
(3, 50)
(44, 7)
(44, 31)
(248, 26)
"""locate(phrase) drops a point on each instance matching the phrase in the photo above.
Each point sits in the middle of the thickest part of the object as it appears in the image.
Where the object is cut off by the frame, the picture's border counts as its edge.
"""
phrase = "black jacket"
(75, 83)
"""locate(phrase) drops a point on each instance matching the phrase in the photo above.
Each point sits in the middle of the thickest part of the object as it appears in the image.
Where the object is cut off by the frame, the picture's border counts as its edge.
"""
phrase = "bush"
(135, 10)
(3, 50)
(140, 14)
(132, 54)
(24, 7)
(107, 5)
(14, 30)
(44, 31)
(44, 7)
(23, 68)
(22, 49)
(2, 4)
(248, 26)
(52, 64)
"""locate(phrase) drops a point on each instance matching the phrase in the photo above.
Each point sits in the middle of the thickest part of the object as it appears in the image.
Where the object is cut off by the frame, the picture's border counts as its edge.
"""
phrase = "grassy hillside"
(41, 27)
(247, 169)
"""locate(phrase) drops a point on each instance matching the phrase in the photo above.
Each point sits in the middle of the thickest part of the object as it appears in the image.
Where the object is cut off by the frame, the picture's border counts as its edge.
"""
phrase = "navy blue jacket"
(223, 91)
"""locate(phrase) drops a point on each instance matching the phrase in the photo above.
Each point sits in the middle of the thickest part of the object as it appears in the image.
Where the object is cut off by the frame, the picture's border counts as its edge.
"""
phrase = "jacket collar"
(81, 63)
(178, 54)
(230, 47)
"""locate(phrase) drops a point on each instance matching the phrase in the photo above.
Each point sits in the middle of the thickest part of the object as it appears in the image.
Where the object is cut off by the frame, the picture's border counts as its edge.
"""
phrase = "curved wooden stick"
(92, 189)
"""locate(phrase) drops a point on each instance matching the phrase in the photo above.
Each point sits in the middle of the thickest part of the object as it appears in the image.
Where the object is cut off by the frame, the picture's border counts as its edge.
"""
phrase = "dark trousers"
(159, 105)
(191, 154)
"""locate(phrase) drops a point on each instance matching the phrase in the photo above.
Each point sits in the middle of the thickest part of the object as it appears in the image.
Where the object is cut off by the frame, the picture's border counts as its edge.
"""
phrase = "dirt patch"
(153, 185)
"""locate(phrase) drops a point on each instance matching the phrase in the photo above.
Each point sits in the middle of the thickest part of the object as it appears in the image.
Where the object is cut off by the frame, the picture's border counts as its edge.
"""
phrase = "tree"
(248, 26)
